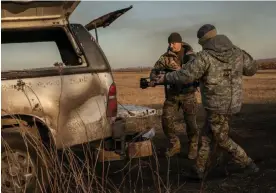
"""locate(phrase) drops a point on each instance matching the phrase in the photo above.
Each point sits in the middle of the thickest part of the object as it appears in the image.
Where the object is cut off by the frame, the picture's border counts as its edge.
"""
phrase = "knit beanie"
(206, 32)
(175, 37)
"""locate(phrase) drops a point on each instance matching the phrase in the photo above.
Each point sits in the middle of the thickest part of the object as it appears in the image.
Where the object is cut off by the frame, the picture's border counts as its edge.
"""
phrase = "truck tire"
(23, 166)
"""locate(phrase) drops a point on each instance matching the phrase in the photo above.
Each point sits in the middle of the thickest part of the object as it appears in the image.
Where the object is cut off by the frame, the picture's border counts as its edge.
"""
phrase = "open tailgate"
(106, 19)
(36, 10)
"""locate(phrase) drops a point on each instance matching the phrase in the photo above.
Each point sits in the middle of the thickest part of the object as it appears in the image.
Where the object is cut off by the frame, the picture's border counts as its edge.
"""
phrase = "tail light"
(112, 101)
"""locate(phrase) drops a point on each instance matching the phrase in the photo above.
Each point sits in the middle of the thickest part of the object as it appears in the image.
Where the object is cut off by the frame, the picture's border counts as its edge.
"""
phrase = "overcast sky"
(139, 36)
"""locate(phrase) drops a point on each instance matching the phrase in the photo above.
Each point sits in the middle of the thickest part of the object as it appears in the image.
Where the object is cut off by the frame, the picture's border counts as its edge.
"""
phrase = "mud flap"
(119, 136)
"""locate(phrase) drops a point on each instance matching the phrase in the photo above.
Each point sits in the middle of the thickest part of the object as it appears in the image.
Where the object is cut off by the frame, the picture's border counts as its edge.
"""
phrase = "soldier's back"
(222, 86)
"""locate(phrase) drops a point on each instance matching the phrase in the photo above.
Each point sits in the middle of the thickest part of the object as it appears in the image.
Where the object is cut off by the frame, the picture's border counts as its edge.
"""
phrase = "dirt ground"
(254, 128)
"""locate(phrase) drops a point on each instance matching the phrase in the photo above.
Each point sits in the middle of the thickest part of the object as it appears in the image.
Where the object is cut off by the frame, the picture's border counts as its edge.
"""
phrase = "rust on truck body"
(63, 103)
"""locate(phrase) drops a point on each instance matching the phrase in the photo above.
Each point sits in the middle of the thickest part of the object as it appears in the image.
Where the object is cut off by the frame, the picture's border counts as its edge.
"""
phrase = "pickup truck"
(57, 90)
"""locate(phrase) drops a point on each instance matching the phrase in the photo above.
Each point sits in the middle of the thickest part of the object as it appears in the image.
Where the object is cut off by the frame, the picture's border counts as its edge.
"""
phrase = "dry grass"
(63, 171)
(69, 170)
(267, 63)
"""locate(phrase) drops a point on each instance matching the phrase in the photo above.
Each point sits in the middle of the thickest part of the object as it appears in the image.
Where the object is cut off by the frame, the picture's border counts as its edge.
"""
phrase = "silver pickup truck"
(57, 87)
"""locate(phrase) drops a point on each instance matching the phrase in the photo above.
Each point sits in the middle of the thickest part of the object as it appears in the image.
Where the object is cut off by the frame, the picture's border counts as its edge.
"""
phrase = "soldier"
(184, 97)
(220, 67)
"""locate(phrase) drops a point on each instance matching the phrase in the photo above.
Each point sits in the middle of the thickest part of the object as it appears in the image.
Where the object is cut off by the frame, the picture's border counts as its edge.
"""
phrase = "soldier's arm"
(250, 65)
(153, 74)
(191, 71)
(159, 64)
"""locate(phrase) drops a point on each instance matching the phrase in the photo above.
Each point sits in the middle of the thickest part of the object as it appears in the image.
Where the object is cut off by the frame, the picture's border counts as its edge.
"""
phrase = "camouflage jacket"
(220, 67)
(171, 61)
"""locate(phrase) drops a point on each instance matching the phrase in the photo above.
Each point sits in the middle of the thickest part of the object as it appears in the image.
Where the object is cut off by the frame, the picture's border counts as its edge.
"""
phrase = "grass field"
(254, 128)
(259, 88)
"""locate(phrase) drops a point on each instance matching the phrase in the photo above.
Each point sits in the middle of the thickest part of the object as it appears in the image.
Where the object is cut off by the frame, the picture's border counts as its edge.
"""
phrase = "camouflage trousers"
(216, 129)
(189, 106)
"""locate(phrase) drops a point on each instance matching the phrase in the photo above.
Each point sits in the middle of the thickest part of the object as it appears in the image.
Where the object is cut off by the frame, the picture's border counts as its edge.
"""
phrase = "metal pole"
(96, 32)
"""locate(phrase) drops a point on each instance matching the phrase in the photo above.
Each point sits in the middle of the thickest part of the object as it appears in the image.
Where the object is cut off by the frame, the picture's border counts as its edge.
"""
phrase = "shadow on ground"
(254, 128)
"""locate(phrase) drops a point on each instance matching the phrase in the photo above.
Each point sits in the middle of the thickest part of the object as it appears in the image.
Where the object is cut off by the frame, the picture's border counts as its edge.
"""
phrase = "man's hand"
(152, 83)
(178, 68)
(160, 79)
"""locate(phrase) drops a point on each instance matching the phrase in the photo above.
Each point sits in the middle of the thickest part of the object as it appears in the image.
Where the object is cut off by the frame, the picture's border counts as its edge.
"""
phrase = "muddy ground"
(254, 128)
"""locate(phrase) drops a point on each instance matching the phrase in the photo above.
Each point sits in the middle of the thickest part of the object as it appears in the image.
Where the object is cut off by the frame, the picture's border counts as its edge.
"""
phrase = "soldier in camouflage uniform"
(183, 97)
(220, 67)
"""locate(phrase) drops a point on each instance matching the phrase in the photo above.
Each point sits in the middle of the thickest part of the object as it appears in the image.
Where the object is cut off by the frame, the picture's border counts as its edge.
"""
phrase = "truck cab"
(57, 87)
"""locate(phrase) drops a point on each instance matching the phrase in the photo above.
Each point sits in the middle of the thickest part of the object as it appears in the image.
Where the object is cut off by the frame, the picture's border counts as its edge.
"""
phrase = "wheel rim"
(18, 171)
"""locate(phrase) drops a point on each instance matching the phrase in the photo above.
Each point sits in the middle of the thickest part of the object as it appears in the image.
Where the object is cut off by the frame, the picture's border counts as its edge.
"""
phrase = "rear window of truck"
(45, 47)
(36, 48)
(90, 47)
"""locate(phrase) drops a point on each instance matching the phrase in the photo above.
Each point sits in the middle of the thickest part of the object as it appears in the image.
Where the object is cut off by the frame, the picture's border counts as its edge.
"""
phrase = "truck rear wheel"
(23, 163)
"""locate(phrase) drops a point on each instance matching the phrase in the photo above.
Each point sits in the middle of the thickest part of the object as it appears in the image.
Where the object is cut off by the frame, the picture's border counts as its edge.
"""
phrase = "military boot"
(175, 147)
(192, 152)
(251, 168)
